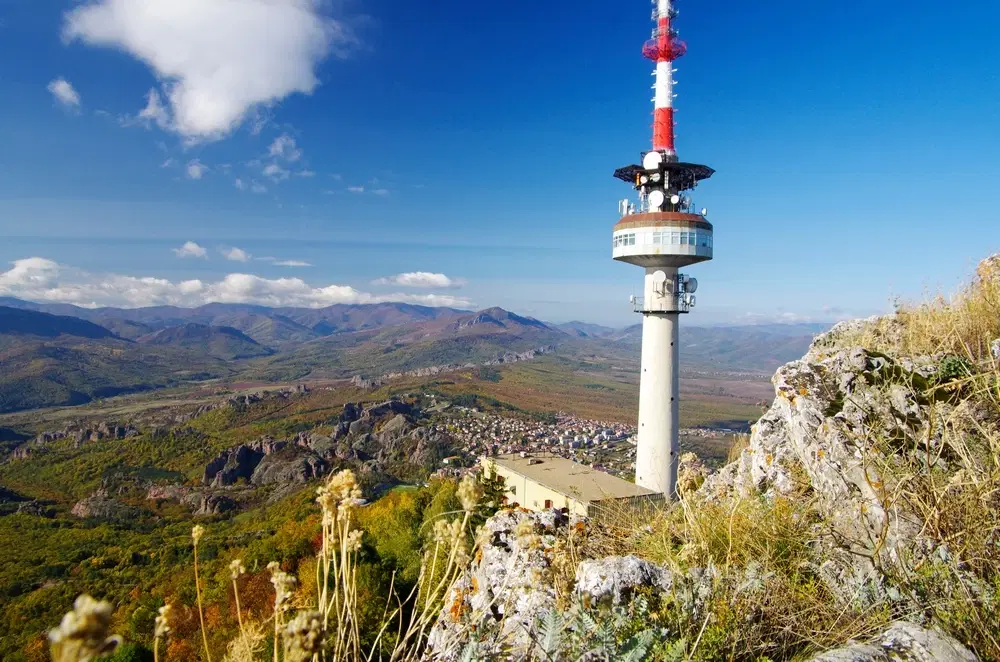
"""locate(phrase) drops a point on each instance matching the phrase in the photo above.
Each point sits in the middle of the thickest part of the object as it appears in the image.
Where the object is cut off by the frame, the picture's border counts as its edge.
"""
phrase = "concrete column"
(657, 453)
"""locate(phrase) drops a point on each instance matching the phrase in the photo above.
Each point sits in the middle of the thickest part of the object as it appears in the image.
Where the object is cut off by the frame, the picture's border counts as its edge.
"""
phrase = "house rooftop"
(577, 481)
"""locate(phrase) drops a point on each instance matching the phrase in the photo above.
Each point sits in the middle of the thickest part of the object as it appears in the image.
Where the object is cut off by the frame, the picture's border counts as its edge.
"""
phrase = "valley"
(120, 428)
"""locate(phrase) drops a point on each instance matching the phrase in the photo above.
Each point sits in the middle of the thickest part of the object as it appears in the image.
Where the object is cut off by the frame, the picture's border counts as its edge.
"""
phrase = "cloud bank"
(219, 62)
(420, 279)
(40, 279)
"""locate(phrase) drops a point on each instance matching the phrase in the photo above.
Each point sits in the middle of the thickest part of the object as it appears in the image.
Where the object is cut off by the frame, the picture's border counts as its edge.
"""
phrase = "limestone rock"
(215, 504)
(100, 506)
(503, 593)
(902, 642)
(231, 465)
(615, 577)
(989, 269)
(290, 465)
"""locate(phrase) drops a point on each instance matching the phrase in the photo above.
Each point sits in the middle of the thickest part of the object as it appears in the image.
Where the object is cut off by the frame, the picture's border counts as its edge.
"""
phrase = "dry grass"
(746, 583)
(962, 325)
(947, 473)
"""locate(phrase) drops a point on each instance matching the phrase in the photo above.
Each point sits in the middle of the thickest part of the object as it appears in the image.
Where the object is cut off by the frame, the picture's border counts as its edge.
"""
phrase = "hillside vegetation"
(860, 514)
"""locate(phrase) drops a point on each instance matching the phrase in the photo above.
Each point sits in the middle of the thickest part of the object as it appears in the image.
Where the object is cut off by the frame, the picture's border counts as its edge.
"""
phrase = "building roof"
(577, 481)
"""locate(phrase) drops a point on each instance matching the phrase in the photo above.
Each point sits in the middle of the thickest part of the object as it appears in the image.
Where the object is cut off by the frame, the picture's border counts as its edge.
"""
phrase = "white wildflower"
(236, 568)
(354, 541)
(162, 623)
(303, 636)
(469, 493)
(197, 532)
(83, 635)
(284, 586)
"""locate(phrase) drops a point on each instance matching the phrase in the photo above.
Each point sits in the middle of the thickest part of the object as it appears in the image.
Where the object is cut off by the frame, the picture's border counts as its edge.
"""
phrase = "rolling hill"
(50, 360)
(62, 354)
(221, 342)
(15, 322)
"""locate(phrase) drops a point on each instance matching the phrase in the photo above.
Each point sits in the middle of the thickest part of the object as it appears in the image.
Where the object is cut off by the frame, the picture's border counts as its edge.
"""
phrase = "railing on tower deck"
(628, 207)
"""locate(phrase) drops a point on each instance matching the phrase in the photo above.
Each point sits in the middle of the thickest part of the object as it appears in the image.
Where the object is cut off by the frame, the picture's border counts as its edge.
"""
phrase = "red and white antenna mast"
(664, 48)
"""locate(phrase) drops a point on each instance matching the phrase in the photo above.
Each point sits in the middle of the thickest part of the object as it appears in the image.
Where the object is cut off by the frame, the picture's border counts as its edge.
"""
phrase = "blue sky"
(855, 149)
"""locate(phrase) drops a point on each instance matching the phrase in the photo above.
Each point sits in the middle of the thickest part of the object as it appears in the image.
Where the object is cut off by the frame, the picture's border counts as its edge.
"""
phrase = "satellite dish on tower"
(656, 201)
(674, 199)
(652, 160)
(691, 286)
(659, 278)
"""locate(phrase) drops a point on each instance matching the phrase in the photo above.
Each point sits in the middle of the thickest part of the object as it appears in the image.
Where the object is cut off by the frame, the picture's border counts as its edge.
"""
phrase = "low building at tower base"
(542, 482)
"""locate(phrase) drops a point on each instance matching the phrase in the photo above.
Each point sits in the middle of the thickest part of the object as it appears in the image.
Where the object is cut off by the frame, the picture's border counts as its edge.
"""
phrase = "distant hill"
(277, 331)
(71, 370)
(50, 360)
(126, 328)
(19, 322)
(585, 330)
(751, 348)
(105, 350)
(221, 342)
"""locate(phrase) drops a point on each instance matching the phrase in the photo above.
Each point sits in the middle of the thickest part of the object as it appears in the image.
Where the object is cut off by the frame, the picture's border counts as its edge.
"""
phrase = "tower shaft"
(661, 232)
(658, 434)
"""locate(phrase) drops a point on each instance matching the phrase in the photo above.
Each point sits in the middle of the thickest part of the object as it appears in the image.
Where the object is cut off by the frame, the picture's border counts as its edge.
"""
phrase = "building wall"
(531, 494)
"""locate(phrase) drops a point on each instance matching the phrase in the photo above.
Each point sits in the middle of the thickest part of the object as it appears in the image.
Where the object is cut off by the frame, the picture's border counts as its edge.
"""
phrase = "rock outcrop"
(100, 506)
(500, 359)
(833, 409)
(902, 642)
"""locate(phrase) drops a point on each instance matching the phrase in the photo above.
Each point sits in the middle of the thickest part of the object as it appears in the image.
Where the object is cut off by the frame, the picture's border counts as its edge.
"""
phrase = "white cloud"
(275, 172)
(305, 173)
(190, 249)
(236, 254)
(240, 184)
(356, 189)
(154, 112)
(284, 147)
(64, 93)
(257, 187)
(381, 191)
(169, 163)
(196, 169)
(293, 263)
(39, 279)
(220, 62)
(420, 279)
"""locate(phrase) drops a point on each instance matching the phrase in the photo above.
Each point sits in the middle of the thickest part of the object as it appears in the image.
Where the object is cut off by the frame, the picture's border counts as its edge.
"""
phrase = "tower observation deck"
(662, 232)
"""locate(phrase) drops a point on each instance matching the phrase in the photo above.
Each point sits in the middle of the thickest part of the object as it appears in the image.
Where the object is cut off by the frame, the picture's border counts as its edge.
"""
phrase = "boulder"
(166, 492)
(215, 504)
(352, 412)
(291, 465)
(394, 427)
(902, 642)
(388, 407)
(100, 506)
(503, 594)
(822, 429)
(231, 465)
(359, 427)
(614, 578)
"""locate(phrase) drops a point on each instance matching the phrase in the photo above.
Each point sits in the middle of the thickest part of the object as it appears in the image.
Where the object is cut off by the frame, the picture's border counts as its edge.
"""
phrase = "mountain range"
(60, 354)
